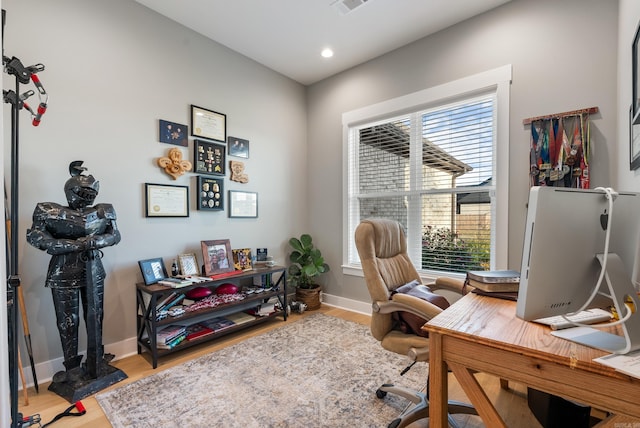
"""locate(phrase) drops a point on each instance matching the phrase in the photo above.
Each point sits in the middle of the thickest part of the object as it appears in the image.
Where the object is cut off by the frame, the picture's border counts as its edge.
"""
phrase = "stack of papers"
(628, 364)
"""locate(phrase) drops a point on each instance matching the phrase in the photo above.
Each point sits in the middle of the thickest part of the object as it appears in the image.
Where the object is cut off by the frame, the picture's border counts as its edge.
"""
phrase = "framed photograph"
(209, 158)
(153, 270)
(173, 133)
(243, 204)
(217, 257)
(208, 124)
(188, 264)
(165, 200)
(238, 147)
(634, 142)
(242, 259)
(635, 65)
(210, 193)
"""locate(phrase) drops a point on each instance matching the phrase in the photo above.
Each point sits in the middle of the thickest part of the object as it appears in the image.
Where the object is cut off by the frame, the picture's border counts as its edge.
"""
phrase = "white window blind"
(434, 170)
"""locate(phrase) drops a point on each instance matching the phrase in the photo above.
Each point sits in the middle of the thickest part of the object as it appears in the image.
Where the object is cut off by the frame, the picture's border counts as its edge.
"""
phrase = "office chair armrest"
(406, 303)
(452, 284)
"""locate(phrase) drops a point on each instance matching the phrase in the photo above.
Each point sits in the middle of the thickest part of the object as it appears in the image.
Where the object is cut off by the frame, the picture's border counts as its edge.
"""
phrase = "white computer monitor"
(565, 231)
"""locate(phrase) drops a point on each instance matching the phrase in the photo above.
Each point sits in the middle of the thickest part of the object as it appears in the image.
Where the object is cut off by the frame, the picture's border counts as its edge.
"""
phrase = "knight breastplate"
(71, 269)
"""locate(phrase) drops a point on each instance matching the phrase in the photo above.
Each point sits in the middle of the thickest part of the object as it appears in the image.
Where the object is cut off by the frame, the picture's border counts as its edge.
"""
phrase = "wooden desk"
(483, 334)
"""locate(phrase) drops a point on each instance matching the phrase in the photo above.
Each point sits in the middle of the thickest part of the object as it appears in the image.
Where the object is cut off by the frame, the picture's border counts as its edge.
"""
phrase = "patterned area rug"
(320, 371)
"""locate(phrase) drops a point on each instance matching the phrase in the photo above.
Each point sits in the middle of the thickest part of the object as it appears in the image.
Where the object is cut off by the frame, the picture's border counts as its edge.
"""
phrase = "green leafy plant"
(443, 250)
(306, 262)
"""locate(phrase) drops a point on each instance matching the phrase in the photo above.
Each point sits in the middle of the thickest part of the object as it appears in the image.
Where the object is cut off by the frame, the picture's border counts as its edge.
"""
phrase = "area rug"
(319, 371)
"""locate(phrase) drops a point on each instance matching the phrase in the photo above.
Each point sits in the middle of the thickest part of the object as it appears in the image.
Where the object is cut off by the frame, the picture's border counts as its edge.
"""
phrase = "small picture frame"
(210, 194)
(217, 257)
(208, 124)
(188, 264)
(238, 147)
(173, 133)
(635, 72)
(243, 204)
(242, 259)
(634, 142)
(208, 158)
(153, 270)
(166, 200)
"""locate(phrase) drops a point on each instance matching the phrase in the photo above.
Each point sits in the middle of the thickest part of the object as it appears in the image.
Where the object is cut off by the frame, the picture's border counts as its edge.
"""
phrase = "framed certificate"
(208, 124)
(243, 204)
(163, 200)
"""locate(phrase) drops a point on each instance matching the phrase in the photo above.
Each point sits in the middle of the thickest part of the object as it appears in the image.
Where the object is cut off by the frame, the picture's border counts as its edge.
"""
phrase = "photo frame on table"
(243, 204)
(208, 158)
(238, 147)
(188, 264)
(153, 270)
(166, 200)
(210, 193)
(634, 142)
(208, 124)
(217, 257)
(242, 259)
(635, 70)
(173, 133)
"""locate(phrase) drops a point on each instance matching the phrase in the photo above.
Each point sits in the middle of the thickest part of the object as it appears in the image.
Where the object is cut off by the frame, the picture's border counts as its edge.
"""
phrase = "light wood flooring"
(510, 403)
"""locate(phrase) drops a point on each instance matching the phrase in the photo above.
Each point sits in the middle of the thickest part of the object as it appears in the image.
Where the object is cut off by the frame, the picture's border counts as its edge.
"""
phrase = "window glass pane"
(432, 171)
(384, 158)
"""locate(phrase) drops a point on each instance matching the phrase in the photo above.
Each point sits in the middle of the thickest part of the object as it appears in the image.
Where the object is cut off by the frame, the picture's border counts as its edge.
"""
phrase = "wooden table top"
(493, 322)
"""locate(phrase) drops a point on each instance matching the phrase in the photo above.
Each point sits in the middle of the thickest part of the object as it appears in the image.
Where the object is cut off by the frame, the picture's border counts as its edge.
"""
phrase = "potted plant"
(306, 264)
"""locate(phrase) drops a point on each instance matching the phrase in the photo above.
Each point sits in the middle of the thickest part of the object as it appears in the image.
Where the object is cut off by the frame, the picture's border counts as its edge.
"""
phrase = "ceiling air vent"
(347, 6)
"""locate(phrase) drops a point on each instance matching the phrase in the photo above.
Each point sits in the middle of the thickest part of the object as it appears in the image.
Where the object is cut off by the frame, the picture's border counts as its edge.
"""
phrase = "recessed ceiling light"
(326, 53)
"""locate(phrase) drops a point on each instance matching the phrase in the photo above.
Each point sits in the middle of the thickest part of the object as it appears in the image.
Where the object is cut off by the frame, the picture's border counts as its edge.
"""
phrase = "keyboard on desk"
(589, 316)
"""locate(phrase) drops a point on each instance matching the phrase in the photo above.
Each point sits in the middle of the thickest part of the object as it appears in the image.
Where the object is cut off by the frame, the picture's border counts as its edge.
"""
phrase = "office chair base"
(421, 408)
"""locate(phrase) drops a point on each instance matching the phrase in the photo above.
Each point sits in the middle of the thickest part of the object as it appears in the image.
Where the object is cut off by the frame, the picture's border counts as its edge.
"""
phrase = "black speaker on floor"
(556, 412)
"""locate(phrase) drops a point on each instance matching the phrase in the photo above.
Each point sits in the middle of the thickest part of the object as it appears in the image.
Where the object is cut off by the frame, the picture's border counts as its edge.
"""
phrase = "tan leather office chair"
(382, 247)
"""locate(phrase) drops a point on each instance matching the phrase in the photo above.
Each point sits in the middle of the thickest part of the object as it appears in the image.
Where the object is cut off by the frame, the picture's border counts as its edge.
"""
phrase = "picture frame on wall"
(210, 193)
(208, 124)
(173, 133)
(153, 270)
(166, 200)
(217, 257)
(635, 70)
(634, 142)
(238, 147)
(243, 204)
(208, 158)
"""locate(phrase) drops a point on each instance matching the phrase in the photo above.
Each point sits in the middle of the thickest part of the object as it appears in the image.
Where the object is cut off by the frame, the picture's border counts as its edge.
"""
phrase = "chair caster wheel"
(381, 394)
(394, 423)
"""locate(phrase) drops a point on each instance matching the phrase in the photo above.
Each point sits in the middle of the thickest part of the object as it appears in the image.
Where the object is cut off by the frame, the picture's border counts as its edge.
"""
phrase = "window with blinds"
(433, 171)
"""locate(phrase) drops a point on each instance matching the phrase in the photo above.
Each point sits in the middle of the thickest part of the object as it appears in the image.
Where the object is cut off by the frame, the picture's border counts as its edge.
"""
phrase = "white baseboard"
(128, 347)
(47, 369)
(348, 304)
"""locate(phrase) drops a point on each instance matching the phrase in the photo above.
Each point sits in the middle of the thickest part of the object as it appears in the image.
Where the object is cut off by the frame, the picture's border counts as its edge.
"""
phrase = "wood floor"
(510, 403)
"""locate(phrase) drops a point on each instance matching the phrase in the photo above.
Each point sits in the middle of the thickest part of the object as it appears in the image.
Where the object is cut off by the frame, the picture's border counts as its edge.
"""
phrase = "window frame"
(497, 80)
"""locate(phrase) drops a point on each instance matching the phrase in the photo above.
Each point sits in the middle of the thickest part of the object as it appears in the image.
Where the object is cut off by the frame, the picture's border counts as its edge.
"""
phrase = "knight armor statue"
(73, 235)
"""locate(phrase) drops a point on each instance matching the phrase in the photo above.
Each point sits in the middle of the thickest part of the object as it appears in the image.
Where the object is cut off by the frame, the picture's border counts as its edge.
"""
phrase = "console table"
(148, 296)
(483, 334)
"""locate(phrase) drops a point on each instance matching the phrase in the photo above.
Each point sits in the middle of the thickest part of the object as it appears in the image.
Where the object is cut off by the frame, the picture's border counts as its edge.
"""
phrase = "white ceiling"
(288, 35)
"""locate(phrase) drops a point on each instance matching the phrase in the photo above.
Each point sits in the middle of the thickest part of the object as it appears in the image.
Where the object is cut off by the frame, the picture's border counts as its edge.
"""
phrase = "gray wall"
(563, 55)
(113, 68)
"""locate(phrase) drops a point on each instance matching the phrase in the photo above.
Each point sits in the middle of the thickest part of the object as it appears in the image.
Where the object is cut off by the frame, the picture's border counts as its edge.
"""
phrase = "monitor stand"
(620, 286)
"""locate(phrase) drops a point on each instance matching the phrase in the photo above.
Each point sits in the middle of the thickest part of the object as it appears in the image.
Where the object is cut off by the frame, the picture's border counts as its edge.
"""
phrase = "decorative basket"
(310, 297)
